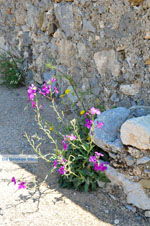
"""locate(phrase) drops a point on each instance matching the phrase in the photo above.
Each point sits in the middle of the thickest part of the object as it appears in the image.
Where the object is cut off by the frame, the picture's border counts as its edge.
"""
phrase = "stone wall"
(104, 44)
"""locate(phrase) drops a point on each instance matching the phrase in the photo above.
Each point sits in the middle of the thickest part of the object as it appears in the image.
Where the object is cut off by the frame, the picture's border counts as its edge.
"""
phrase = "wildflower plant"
(10, 69)
(74, 157)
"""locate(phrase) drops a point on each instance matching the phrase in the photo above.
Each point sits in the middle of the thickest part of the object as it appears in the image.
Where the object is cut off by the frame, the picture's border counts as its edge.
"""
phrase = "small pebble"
(131, 208)
(147, 213)
(106, 211)
(116, 221)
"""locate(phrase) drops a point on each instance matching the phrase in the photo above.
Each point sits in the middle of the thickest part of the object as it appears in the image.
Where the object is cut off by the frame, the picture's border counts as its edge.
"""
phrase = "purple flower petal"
(62, 170)
(22, 185)
(93, 159)
(13, 179)
(94, 111)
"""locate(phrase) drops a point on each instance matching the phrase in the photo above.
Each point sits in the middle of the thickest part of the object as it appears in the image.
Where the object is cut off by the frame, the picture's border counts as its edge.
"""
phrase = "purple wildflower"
(55, 163)
(93, 159)
(13, 179)
(98, 154)
(71, 137)
(22, 185)
(99, 125)
(62, 170)
(33, 103)
(100, 167)
(88, 123)
(65, 145)
(94, 111)
(56, 90)
(31, 92)
(45, 90)
(53, 80)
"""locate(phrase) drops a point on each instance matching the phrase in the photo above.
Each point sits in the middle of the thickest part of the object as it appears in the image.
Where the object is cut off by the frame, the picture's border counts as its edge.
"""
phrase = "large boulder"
(108, 137)
(136, 132)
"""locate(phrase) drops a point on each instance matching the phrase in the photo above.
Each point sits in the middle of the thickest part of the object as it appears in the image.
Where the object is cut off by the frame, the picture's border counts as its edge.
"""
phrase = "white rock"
(147, 213)
(106, 62)
(130, 89)
(116, 221)
(136, 132)
(134, 191)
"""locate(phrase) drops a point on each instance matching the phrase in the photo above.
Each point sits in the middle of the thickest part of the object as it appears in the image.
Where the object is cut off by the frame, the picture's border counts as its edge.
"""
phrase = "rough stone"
(64, 14)
(87, 26)
(134, 191)
(138, 111)
(145, 183)
(72, 96)
(107, 137)
(66, 52)
(21, 16)
(136, 132)
(130, 89)
(3, 44)
(136, 153)
(131, 208)
(48, 75)
(147, 213)
(129, 160)
(106, 62)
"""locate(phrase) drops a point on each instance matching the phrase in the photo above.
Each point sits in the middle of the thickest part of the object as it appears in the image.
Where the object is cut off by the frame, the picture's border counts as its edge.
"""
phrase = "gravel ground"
(44, 203)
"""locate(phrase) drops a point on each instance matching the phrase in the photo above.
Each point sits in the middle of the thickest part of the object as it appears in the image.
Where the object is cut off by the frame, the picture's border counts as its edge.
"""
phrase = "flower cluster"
(45, 90)
(88, 121)
(66, 139)
(32, 90)
(97, 165)
(21, 184)
(60, 165)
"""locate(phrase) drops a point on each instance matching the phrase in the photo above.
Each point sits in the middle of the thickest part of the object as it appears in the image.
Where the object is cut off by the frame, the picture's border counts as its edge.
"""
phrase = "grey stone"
(32, 15)
(116, 221)
(106, 62)
(134, 191)
(72, 96)
(143, 160)
(136, 132)
(64, 14)
(114, 98)
(101, 184)
(136, 153)
(87, 26)
(129, 160)
(137, 111)
(3, 44)
(107, 137)
(130, 89)
(66, 52)
(131, 208)
(147, 213)
(48, 75)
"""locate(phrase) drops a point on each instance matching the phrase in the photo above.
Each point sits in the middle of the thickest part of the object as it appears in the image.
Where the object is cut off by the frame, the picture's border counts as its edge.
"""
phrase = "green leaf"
(86, 187)
(49, 65)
